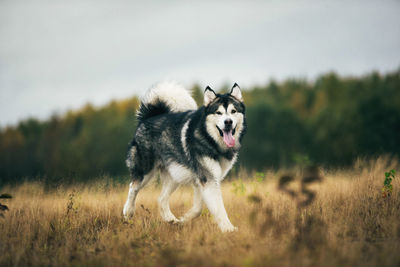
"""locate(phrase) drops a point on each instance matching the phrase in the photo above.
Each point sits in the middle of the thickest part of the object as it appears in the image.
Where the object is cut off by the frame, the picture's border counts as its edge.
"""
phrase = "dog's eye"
(233, 111)
(219, 113)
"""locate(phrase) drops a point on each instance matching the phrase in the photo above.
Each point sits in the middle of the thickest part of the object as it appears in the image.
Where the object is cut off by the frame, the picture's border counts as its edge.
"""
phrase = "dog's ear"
(209, 95)
(236, 92)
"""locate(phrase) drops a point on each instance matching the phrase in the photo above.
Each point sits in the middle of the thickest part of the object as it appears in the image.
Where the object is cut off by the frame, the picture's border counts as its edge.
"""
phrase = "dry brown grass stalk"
(347, 224)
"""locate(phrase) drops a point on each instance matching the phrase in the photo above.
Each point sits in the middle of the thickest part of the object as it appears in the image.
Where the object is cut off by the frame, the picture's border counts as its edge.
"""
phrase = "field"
(348, 223)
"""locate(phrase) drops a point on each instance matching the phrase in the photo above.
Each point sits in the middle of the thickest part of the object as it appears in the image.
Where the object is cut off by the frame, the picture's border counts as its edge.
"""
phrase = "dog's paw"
(128, 212)
(228, 228)
(128, 216)
(170, 218)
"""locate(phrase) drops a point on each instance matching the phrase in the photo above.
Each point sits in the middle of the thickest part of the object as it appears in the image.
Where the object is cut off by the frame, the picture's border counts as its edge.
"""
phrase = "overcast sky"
(59, 55)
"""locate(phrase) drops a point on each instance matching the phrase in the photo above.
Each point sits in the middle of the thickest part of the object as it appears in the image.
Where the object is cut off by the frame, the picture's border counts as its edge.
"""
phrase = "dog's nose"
(228, 122)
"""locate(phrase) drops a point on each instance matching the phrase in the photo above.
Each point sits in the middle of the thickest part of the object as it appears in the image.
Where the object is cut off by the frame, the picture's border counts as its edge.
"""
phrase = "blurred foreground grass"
(347, 224)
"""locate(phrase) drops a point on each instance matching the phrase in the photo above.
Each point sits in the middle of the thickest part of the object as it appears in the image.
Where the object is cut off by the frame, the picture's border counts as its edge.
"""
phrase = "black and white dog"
(187, 145)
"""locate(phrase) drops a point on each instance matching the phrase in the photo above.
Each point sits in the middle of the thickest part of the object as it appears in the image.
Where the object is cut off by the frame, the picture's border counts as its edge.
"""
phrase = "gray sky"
(59, 55)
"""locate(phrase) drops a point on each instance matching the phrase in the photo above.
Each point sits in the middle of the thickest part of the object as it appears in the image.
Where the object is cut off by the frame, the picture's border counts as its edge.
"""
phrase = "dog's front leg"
(212, 197)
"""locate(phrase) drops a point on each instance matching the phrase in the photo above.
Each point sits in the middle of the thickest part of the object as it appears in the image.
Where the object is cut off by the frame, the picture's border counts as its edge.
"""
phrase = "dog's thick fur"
(188, 145)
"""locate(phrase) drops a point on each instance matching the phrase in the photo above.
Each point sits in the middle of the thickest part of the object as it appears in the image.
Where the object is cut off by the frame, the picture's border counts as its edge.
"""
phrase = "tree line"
(329, 121)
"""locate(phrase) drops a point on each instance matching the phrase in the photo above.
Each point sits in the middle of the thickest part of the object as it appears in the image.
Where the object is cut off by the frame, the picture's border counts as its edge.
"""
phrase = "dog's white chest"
(226, 165)
(218, 169)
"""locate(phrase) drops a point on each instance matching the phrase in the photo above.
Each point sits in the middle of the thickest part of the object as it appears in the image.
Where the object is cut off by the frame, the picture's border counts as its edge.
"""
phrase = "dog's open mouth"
(228, 136)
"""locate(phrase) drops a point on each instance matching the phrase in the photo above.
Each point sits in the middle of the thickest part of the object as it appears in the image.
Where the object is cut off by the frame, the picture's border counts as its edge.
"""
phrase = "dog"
(186, 145)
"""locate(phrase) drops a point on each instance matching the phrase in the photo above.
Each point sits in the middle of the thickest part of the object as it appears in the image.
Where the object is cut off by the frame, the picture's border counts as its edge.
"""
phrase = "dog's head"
(225, 116)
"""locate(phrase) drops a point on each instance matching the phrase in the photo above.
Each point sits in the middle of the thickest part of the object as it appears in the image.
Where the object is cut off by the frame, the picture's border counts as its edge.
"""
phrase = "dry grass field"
(349, 223)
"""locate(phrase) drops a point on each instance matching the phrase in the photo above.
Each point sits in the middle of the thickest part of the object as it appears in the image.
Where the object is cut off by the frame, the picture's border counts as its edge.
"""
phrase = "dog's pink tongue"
(229, 140)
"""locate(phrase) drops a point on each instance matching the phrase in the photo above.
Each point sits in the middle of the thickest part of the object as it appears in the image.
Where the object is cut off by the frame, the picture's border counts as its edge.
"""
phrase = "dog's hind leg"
(134, 188)
(168, 187)
(197, 207)
(142, 169)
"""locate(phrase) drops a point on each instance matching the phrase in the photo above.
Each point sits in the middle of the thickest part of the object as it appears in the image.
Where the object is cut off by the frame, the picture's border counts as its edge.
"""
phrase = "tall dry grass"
(347, 224)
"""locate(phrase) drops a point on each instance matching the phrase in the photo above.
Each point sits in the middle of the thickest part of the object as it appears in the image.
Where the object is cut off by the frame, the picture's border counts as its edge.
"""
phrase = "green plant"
(259, 177)
(238, 187)
(257, 180)
(387, 183)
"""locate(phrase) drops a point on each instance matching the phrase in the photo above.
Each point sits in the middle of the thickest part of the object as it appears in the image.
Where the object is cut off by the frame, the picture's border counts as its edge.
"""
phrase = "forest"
(330, 121)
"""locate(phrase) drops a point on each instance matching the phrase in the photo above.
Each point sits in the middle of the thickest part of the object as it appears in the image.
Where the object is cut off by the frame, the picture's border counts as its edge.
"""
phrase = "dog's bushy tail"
(163, 98)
